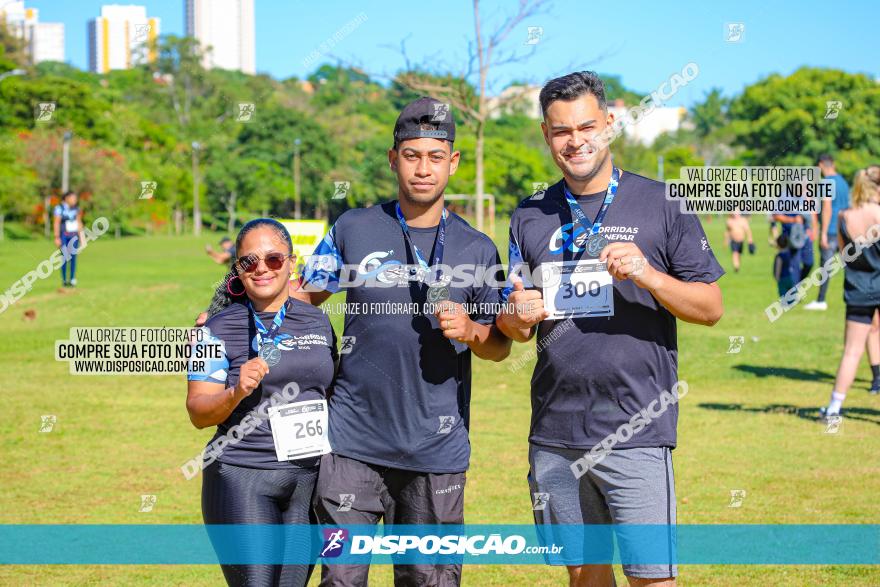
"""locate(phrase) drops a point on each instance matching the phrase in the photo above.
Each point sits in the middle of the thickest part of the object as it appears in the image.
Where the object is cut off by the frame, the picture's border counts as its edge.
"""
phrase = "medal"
(266, 337)
(438, 293)
(270, 353)
(595, 243)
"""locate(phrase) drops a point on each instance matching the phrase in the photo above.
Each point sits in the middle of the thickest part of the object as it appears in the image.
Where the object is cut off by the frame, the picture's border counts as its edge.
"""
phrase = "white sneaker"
(825, 414)
(817, 305)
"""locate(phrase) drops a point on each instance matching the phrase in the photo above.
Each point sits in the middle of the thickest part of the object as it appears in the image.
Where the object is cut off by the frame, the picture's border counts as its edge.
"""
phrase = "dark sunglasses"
(274, 261)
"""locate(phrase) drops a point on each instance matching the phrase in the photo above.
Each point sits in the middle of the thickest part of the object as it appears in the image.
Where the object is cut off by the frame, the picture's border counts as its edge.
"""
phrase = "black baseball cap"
(425, 118)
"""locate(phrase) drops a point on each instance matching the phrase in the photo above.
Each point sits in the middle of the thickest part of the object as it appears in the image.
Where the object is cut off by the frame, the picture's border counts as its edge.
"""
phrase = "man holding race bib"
(623, 279)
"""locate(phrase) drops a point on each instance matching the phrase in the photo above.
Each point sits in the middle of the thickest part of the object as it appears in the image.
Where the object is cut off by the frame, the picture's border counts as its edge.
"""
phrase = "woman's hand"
(250, 375)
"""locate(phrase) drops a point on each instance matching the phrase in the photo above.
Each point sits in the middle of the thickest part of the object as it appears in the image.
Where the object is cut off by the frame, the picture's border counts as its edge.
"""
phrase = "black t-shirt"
(861, 277)
(308, 355)
(598, 374)
(402, 394)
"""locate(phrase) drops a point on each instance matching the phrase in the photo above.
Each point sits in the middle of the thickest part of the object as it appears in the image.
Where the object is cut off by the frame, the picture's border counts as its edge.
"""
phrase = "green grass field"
(748, 421)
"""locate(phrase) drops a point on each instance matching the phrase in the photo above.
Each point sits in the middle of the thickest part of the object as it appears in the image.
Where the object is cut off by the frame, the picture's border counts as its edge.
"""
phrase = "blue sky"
(643, 42)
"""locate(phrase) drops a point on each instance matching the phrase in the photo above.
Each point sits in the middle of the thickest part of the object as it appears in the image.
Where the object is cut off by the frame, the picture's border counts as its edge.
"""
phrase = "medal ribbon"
(264, 333)
(578, 212)
(438, 244)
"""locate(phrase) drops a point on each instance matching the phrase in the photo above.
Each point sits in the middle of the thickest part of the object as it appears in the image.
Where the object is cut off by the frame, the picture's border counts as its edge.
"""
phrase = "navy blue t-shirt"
(308, 356)
(402, 394)
(788, 227)
(601, 371)
(788, 272)
(69, 218)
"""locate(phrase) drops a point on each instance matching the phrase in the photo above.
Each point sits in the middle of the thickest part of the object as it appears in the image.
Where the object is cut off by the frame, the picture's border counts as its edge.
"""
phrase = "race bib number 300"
(577, 289)
(299, 430)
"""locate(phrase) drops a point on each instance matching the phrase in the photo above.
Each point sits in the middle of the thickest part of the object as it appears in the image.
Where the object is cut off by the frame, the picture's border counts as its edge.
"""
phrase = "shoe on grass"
(817, 305)
(826, 415)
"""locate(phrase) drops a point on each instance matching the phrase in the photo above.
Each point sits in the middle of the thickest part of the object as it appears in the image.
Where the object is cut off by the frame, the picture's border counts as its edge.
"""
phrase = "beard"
(587, 170)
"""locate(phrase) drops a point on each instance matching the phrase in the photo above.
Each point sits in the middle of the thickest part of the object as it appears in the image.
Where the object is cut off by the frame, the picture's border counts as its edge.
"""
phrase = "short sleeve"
(487, 294)
(57, 212)
(515, 262)
(322, 269)
(203, 364)
(688, 252)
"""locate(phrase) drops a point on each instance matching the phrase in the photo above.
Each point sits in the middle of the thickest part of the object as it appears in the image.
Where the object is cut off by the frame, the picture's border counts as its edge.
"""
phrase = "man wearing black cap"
(399, 412)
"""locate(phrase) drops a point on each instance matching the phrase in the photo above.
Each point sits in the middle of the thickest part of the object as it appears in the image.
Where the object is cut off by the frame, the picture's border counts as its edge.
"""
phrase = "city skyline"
(643, 46)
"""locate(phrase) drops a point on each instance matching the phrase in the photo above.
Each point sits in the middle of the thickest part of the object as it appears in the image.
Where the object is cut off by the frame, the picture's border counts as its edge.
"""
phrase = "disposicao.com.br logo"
(402, 544)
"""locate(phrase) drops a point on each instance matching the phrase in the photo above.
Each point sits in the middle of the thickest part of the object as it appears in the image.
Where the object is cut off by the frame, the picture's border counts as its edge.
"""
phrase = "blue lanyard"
(578, 212)
(263, 332)
(438, 246)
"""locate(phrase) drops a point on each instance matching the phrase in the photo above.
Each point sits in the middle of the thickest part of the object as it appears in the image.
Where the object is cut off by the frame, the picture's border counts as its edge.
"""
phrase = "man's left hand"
(626, 261)
(454, 322)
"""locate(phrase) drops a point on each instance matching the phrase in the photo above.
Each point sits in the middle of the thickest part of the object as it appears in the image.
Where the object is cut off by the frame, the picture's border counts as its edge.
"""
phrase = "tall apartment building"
(44, 41)
(227, 28)
(121, 37)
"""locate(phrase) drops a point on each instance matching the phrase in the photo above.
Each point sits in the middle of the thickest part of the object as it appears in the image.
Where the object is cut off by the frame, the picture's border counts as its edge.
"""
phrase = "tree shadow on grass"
(812, 414)
(814, 375)
(786, 373)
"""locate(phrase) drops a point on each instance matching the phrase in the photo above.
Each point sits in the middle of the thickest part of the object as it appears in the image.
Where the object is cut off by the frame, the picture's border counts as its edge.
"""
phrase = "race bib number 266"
(299, 430)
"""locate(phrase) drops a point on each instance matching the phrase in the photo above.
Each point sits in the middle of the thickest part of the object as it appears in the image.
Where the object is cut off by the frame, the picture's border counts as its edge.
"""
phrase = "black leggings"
(241, 495)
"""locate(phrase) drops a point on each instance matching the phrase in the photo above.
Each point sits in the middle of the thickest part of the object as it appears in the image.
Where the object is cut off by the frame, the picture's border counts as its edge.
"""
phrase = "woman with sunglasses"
(276, 351)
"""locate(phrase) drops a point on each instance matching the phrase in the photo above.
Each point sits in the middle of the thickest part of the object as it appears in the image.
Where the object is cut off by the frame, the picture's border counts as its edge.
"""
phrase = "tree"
(516, 160)
(270, 139)
(791, 120)
(676, 157)
(12, 50)
(100, 175)
(18, 183)
(77, 107)
(179, 63)
(710, 114)
(615, 90)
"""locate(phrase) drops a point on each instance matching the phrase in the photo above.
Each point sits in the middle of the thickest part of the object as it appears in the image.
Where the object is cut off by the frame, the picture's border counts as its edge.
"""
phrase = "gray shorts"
(629, 486)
